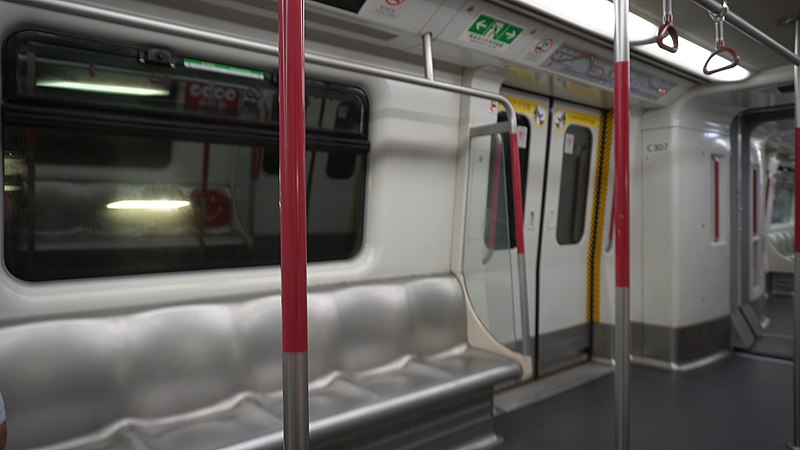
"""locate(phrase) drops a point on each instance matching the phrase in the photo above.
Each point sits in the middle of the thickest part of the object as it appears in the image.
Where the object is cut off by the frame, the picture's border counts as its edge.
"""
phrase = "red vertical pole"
(516, 184)
(294, 289)
(796, 380)
(622, 221)
(716, 199)
(622, 179)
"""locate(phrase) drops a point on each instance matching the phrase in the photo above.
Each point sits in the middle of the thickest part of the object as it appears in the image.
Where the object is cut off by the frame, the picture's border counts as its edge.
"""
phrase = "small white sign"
(569, 143)
(406, 15)
(522, 136)
(658, 147)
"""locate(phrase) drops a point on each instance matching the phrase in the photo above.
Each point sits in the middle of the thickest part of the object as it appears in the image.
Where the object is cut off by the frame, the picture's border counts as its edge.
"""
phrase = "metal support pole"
(621, 218)
(797, 240)
(294, 288)
(749, 30)
(428, 52)
(516, 186)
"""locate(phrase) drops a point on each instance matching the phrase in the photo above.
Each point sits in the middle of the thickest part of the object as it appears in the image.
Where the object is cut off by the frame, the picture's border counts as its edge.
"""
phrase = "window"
(573, 192)
(782, 202)
(500, 231)
(119, 161)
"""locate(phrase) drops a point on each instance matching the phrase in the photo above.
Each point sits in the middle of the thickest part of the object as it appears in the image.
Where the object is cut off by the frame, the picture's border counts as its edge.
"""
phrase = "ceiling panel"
(694, 22)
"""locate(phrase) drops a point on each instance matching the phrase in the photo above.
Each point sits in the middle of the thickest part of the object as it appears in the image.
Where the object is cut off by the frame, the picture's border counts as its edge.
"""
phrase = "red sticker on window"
(217, 99)
(218, 207)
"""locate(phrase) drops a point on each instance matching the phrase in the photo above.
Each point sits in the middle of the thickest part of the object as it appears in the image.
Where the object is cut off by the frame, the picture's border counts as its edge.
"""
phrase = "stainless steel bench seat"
(209, 375)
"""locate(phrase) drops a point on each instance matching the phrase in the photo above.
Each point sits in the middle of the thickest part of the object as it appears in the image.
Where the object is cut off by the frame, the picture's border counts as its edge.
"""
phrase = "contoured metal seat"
(384, 358)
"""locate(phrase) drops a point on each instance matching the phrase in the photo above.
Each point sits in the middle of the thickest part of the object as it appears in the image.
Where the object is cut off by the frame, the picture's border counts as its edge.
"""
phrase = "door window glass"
(573, 191)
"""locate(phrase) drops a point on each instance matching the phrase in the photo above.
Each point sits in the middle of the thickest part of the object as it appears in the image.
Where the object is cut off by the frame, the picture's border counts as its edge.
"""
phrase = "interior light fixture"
(594, 15)
(152, 205)
(598, 16)
(104, 88)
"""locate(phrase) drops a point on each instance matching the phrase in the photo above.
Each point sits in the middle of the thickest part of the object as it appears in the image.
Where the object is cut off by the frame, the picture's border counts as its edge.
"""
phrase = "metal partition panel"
(488, 252)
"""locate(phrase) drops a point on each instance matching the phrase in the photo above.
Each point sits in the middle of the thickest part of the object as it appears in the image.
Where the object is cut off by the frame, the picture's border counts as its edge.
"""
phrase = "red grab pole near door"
(294, 288)
(622, 222)
(516, 185)
(796, 383)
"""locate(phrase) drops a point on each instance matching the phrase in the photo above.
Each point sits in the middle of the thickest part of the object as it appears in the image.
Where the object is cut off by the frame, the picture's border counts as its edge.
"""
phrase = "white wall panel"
(686, 273)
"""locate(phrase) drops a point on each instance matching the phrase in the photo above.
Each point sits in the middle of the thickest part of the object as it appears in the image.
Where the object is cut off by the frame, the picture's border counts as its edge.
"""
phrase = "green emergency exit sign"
(495, 29)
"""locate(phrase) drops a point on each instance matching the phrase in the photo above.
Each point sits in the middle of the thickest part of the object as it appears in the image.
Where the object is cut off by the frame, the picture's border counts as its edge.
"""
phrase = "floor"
(778, 338)
(743, 402)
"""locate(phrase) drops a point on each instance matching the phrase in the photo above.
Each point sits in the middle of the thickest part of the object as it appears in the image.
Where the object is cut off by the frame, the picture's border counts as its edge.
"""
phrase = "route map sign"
(492, 32)
(588, 66)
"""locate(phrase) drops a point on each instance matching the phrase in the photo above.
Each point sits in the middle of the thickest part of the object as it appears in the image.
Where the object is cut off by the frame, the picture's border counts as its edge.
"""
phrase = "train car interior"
(468, 217)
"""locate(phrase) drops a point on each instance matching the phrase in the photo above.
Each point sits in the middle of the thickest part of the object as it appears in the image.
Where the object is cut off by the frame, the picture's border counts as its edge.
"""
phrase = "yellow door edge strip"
(597, 225)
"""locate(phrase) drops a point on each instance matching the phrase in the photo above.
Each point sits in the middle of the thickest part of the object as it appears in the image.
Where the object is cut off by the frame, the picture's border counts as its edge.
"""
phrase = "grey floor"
(778, 338)
(743, 402)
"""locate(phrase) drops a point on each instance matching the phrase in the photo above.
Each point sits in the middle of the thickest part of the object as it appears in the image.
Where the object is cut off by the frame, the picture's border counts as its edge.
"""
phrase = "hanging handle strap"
(720, 48)
(667, 28)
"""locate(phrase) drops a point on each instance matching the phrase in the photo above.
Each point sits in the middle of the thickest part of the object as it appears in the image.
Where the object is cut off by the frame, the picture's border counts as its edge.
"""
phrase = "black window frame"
(23, 110)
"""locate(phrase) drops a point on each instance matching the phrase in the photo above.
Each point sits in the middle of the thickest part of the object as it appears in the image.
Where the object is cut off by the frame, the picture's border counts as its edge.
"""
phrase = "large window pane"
(84, 219)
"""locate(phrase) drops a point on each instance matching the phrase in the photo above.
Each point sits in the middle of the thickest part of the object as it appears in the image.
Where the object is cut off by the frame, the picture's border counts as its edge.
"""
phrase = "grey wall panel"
(670, 345)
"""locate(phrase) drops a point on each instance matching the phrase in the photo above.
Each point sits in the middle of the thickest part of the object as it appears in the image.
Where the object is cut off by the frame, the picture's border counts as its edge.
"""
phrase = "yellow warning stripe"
(595, 256)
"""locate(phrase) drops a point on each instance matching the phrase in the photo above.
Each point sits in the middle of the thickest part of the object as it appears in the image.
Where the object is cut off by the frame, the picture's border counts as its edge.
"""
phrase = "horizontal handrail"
(751, 31)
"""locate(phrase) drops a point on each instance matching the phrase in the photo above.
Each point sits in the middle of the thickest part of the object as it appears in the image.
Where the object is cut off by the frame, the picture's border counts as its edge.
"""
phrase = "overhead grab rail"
(719, 43)
(667, 28)
(749, 30)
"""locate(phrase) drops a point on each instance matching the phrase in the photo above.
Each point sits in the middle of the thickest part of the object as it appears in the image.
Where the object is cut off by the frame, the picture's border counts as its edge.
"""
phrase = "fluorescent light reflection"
(598, 16)
(595, 15)
(151, 205)
(105, 88)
